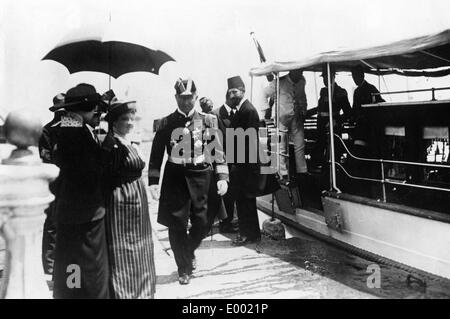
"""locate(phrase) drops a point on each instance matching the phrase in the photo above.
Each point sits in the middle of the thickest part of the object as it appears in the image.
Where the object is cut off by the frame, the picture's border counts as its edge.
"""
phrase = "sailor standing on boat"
(187, 176)
(365, 93)
(339, 102)
(293, 106)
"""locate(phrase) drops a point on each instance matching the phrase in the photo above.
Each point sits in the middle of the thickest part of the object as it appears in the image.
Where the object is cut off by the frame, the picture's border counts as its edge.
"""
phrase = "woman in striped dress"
(129, 233)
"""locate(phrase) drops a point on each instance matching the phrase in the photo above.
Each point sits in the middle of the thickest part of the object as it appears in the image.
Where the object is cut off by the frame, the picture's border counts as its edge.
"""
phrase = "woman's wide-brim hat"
(117, 108)
(81, 95)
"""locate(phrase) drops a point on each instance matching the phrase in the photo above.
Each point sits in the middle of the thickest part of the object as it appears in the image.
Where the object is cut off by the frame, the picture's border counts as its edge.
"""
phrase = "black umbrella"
(111, 57)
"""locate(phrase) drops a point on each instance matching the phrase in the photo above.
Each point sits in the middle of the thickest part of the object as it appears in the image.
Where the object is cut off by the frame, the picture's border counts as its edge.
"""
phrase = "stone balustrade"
(24, 194)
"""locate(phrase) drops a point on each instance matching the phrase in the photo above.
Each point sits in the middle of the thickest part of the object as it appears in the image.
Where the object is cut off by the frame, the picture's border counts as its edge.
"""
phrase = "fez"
(235, 83)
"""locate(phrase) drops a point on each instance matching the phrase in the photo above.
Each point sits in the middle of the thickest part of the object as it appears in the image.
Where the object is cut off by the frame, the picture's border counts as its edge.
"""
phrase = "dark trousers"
(247, 216)
(81, 261)
(49, 241)
(229, 200)
(320, 156)
(184, 245)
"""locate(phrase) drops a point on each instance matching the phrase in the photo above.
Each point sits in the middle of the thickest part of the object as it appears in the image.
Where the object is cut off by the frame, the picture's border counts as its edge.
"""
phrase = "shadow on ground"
(318, 260)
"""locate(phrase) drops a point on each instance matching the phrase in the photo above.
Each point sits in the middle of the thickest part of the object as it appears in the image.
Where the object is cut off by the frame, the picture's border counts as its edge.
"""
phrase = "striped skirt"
(130, 245)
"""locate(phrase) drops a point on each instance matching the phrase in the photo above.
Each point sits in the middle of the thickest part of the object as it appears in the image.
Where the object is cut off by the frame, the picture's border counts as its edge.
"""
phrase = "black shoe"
(228, 228)
(184, 279)
(244, 240)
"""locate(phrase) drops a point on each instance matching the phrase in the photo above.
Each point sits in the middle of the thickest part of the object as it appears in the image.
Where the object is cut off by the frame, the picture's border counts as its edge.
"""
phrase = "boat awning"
(422, 56)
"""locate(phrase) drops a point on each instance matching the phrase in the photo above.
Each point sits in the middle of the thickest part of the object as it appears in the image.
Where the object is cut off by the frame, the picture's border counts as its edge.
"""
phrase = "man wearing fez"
(81, 261)
(244, 175)
(47, 147)
(187, 175)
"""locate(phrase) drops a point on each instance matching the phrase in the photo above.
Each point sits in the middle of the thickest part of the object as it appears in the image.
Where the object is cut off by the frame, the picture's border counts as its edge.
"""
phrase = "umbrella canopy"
(407, 57)
(98, 50)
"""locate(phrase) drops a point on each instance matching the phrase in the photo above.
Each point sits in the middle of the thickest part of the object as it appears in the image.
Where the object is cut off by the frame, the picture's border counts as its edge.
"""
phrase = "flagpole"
(109, 58)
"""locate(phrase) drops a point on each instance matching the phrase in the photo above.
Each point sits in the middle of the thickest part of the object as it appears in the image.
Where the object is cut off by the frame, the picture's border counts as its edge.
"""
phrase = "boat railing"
(432, 90)
(385, 180)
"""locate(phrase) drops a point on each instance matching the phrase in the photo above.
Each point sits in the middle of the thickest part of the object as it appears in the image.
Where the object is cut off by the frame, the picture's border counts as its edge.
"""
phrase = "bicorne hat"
(185, 87)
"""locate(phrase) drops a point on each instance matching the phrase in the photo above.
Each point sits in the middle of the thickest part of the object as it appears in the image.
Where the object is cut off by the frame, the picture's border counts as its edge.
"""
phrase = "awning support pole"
(330, 115)
(277, 120)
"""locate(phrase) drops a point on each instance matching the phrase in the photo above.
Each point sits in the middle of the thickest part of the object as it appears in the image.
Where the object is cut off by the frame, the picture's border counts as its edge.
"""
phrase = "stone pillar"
(24, 194)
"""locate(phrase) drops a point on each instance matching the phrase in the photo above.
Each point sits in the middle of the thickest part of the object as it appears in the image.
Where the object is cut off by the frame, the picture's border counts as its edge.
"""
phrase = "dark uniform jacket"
(79, 184)
(187, 178)
(363, 95)
(340, 102)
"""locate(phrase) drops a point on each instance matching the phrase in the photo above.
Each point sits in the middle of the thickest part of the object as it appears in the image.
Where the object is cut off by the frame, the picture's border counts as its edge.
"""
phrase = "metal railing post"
(383, 184)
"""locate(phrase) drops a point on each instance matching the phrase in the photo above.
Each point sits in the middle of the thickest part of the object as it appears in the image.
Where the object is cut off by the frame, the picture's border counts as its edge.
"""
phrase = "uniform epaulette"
(162, 123)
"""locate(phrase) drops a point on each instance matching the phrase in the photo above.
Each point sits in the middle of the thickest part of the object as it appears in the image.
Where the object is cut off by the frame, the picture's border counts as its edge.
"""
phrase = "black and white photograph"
(225, 154)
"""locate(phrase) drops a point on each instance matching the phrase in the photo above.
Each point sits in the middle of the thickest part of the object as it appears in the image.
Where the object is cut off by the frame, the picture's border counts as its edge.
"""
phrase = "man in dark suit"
(187, 176)
(244, 175)
(225, 115)
(81, 261)
(363, 95)
(47, 147)
(339, 103)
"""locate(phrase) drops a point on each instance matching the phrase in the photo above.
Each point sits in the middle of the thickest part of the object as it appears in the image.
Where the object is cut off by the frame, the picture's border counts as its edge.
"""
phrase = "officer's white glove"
(154, 191)
(222, 187)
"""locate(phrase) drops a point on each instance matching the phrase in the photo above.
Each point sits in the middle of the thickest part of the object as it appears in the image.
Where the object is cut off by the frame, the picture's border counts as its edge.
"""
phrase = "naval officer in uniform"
(184, 134)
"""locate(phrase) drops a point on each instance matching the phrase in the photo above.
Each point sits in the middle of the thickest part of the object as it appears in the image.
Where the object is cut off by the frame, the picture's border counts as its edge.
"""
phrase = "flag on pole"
(262, 57)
